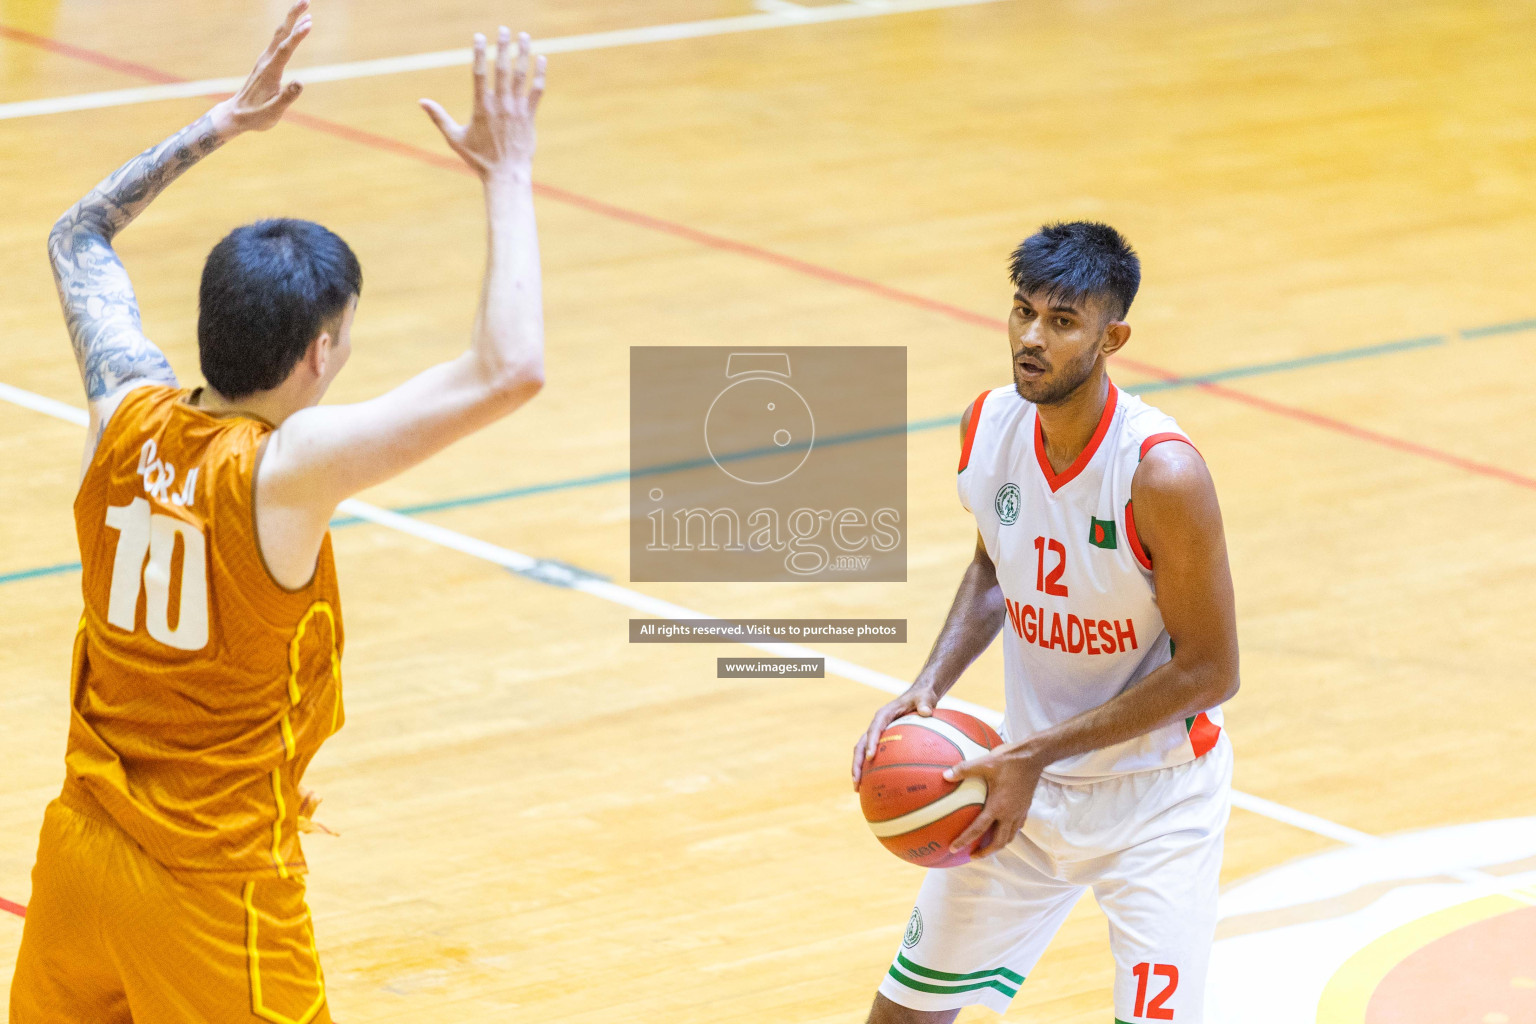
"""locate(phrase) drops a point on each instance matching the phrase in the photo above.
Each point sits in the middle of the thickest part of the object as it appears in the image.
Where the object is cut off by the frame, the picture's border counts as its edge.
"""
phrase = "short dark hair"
(1076, 259)
(268, 289)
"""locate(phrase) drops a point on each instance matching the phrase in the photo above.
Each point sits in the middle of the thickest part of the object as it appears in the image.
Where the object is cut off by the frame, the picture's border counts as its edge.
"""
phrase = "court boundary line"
(873, 287)
(635, 600)
(171, 86)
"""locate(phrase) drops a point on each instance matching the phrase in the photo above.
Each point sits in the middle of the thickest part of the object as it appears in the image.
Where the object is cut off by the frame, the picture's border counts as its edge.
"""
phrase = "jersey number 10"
(141, 532)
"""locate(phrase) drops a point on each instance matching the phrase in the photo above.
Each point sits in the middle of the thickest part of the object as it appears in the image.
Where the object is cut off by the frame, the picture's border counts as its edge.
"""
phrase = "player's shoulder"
(1164, 458)
(985, 398)
(986, 403)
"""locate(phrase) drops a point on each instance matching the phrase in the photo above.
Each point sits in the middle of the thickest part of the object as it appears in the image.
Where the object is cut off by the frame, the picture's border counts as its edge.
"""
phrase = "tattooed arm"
(100, 308)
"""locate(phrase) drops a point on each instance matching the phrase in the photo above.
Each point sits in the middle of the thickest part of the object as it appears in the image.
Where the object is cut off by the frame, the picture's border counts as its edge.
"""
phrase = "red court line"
(126, 67)
(791, 263)
(12, 908)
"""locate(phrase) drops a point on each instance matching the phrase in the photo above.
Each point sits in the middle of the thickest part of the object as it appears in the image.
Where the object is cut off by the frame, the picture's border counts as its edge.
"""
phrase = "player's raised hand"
(917, 700)
(263, 98)
(1011, 778)
(499, 138)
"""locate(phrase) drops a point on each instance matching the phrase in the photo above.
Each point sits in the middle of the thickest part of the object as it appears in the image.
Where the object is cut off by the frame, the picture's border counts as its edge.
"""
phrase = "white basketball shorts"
(1148, 844)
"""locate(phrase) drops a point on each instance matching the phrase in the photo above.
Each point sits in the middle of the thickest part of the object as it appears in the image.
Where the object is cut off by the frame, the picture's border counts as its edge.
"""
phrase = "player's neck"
(1068, 425)
(271, 407)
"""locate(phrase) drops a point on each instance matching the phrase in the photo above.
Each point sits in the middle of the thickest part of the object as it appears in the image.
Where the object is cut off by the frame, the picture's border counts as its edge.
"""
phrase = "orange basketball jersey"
(201, 688)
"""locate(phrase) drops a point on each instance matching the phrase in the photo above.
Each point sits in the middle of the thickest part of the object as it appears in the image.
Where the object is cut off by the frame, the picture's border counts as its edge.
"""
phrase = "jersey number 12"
(140, 532)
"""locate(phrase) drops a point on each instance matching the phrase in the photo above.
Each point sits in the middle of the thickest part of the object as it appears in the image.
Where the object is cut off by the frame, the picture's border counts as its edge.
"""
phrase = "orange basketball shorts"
(112, 937)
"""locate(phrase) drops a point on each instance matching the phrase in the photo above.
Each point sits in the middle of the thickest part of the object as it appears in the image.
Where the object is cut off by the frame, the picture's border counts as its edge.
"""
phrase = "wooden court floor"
(1334, 202)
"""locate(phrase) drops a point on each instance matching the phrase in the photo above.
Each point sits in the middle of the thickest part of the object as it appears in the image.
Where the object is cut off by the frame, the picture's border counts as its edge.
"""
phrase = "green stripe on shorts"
(928, 972)
(921, 986)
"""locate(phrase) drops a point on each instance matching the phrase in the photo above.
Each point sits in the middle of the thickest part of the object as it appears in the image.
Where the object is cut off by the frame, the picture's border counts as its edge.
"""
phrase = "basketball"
(909, 806)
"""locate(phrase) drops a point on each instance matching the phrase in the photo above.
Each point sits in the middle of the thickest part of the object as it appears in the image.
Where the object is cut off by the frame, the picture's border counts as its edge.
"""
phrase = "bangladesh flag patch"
(1101, 534)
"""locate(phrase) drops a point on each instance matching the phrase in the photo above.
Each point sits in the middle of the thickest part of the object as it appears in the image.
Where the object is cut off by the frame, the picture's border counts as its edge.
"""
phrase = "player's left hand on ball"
(264, 98)
(1011, 778)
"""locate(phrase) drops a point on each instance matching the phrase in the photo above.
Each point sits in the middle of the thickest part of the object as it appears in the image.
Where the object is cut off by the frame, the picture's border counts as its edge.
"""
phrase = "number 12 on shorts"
(1155, 1010)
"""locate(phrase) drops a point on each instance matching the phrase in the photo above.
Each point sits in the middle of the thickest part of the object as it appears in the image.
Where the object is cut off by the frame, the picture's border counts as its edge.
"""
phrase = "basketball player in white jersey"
(1100, 560)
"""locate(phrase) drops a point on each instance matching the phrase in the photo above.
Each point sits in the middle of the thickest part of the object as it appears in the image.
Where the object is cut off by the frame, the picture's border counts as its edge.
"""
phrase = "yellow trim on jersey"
(277, 824)
(335, 674)
(298, 637)
(253, 961)
(290, 744)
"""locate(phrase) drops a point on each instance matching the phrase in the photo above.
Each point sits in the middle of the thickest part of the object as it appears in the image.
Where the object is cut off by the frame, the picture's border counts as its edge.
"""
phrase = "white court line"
(780, 15)
(633, 599)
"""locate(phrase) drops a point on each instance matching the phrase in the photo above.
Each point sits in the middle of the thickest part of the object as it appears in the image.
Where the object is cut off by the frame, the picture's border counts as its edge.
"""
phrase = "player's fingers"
(269, 70)
(503, 61)
(965, 769)
(883, 718)
(1002, 835)
(284, 99)
(974, 832)
(290, 19)
(477, 71)
(520, 71)
(293, 39)
(536, 91)
(440, 117)
(871, 739)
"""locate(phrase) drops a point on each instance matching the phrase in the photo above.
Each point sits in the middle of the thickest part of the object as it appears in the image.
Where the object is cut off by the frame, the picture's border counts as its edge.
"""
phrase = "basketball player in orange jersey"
(169, 885)
(1100, 559)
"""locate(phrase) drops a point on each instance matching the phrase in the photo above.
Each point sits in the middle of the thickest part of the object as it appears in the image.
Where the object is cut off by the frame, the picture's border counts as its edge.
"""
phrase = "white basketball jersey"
(1083, 622)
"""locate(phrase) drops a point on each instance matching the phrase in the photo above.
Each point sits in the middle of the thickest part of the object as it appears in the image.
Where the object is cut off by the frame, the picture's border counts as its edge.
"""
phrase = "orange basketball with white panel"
(908, 804)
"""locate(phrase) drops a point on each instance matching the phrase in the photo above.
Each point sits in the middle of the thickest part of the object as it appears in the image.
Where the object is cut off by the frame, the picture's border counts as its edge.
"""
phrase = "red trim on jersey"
(1131, 536)
(1134, 541)
(1157, 439)
(970, 431)
(1203, 734)
(1055, 482)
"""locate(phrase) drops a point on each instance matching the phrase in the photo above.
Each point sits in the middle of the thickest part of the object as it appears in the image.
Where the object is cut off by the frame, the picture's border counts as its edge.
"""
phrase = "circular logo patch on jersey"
(1007, 504)
(914, 929)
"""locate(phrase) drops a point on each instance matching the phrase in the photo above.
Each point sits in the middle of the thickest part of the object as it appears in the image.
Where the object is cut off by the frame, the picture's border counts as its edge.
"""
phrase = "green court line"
(1509, 328)
(914, 427)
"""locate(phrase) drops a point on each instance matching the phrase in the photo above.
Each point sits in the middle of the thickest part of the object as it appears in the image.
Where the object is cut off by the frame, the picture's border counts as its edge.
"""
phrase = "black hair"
(268, 290)
(1077, 259)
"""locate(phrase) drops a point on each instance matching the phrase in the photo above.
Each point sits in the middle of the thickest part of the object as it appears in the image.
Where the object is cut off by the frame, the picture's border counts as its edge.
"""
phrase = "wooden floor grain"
(541, 822)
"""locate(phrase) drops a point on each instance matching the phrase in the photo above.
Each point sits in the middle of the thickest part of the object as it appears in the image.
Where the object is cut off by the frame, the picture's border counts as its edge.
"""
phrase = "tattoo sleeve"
(100, 308)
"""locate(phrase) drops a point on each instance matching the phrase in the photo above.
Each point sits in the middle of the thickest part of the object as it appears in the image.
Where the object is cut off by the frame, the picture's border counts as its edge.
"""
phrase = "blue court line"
(1340, 356)
(1509, 328)
(915, 426)
(46, 570)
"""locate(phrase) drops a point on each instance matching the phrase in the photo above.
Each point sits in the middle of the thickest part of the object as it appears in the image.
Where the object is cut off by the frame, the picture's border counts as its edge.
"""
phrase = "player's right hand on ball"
(499, 137)
(918, 699)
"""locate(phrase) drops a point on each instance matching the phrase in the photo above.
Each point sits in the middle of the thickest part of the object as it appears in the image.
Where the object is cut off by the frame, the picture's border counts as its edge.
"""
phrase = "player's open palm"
(264, 98)
(499, 137)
